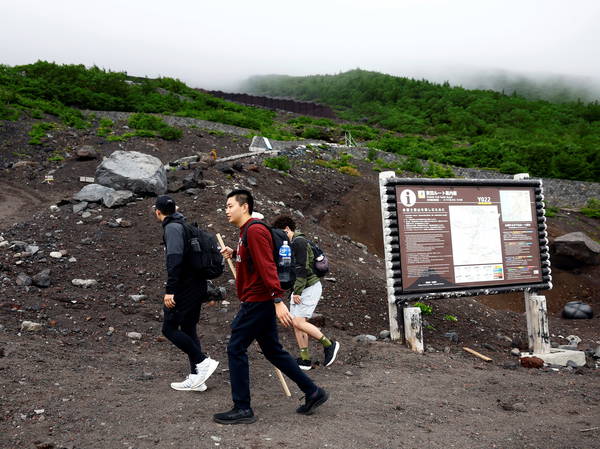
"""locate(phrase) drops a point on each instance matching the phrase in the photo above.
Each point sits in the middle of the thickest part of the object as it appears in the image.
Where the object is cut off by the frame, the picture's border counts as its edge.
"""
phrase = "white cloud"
(215, 43)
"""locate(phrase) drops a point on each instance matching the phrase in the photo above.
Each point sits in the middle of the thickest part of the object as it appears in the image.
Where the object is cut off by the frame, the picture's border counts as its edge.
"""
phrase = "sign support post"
(386, 210)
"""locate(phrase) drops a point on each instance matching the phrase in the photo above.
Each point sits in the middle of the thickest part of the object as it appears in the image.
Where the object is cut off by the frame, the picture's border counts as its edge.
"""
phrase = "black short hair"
(243, 196)
(283, 221)
(165, 204)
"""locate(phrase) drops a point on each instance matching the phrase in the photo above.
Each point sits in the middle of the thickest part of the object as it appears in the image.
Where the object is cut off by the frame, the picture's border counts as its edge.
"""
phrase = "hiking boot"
(235, 416)
(205, 369)
(189, 384)
(304, 365)
(313, 401)
(331, 353)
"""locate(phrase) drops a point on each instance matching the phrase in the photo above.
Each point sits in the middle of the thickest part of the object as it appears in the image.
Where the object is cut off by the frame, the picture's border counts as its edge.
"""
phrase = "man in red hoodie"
(262, 300)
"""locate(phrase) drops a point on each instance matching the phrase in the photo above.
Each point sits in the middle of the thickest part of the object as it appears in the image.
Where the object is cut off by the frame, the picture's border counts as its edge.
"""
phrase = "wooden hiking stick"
(286, 390)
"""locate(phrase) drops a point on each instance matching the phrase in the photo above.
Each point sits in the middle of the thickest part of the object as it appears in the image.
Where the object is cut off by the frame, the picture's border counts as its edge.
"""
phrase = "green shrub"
(452, 318)
(145, 121)
(347, 170)
(425, 309)
(592, 208)
(150, 126)
(170, 133)
(39, 131)
(281, 163)
(552, 211)
(372, 154)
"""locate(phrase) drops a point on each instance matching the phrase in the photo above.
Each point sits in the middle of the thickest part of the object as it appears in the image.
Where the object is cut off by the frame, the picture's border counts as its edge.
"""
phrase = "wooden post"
(392, 306)
(537, 323)
(413, 329)
(278, 373)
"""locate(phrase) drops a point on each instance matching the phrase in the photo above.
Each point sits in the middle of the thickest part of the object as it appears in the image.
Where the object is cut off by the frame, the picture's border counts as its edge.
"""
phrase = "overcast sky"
(215, 43)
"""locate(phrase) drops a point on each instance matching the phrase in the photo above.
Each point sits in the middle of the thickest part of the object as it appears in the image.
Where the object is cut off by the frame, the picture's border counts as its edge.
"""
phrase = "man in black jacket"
(184, 293)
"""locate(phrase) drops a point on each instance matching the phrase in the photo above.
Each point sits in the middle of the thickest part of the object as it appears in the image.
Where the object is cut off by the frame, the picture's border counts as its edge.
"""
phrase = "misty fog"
(215, 45)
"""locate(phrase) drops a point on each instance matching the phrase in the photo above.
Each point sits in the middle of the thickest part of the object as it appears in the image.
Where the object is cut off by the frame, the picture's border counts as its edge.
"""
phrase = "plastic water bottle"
(285, 262)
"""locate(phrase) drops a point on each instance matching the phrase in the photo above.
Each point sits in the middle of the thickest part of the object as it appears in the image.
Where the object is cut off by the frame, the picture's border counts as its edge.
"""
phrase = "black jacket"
(188, 288)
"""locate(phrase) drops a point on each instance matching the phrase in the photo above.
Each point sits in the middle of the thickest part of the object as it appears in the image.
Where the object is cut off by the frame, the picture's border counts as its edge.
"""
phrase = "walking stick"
(286, 390)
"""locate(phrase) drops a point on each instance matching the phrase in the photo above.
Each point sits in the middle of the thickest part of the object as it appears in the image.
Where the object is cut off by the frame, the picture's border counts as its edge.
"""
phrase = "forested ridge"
(419, 119)
(473, 128)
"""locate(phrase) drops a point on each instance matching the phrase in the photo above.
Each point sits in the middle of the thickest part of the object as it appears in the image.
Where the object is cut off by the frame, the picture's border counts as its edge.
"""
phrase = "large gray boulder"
(575, 249)
(131, 170)
(92, 193)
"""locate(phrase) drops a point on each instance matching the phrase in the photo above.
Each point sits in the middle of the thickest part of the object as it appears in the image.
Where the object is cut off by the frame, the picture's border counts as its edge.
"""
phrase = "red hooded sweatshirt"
(256, 281)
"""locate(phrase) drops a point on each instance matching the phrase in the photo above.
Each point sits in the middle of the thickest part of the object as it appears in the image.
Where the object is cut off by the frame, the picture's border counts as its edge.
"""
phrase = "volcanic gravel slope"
(81, 382)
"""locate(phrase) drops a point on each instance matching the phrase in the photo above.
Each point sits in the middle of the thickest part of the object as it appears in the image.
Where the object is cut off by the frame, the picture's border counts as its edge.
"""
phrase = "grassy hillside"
(62, 90)
(453, 125)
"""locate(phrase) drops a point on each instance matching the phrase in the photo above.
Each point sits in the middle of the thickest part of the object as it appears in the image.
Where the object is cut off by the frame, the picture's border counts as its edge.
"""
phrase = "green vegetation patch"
(281, 163)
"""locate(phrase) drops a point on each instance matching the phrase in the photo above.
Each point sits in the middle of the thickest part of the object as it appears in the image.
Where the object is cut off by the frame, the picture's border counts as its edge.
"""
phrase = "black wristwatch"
(277, 300)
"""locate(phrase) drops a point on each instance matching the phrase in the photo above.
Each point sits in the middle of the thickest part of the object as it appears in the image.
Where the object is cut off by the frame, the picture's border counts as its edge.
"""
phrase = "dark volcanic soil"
(100, 389)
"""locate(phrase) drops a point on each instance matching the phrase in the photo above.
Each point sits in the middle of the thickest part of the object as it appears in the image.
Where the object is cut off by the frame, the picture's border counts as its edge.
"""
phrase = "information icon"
(408, 198)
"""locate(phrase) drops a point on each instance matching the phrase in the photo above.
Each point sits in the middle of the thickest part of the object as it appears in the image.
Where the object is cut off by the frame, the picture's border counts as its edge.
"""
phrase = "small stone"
(42, 279)
(32, 249)
(79, 207)
(56, 254)
(252, 181)
(125, 224)
(572, 364)
(516, 352)
(54, 208)
(86, 214)
(72, 259)
(452, 336)
(134, 335)
(574, 340)
(384, 334)
(137, 298)
(349, 373)
(30, 326)
(86, 153)
(85, 283)
(364, 338)
(330, 279)
(510, 364)
(110, 331)
(429, 348)
(23, 280)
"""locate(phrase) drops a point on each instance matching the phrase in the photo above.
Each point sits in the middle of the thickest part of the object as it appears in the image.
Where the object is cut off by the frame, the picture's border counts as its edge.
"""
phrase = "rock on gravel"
(85, 283)
(134, 171)
(30, 326)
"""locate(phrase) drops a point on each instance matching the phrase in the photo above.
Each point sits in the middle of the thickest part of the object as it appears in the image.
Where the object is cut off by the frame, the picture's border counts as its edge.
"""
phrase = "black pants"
(257, 321)
(180, 328)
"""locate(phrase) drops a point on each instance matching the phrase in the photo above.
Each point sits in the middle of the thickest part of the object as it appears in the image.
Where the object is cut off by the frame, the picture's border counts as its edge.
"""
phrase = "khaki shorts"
(310, 298)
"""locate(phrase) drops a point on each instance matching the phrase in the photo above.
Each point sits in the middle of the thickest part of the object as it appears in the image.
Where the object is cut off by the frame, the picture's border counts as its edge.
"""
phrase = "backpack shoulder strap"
(245, 234)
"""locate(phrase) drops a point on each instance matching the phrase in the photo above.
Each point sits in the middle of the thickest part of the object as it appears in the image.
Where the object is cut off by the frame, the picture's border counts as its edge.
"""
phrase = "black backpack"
(201, 251)
(320, 262)
(278, 236)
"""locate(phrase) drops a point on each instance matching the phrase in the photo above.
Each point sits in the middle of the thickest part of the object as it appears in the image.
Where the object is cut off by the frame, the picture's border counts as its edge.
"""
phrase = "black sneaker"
(235, 416)
(304, 365)
(331, 353)
(313, 401)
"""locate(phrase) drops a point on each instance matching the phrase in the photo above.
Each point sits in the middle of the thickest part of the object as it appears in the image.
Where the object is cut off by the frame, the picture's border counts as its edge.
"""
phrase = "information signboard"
(464, 237)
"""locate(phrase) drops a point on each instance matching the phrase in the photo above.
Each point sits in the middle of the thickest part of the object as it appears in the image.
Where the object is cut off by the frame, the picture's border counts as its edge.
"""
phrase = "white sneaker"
(205, 369)
(189, 384)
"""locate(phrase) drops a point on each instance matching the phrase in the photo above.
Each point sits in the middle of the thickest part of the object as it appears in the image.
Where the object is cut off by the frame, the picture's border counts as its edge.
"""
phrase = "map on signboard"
(475, 232)
(515, 205)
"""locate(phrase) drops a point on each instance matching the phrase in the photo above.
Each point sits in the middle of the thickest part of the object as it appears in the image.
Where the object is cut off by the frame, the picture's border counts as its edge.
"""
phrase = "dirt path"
(17, 202)
(115, 393)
